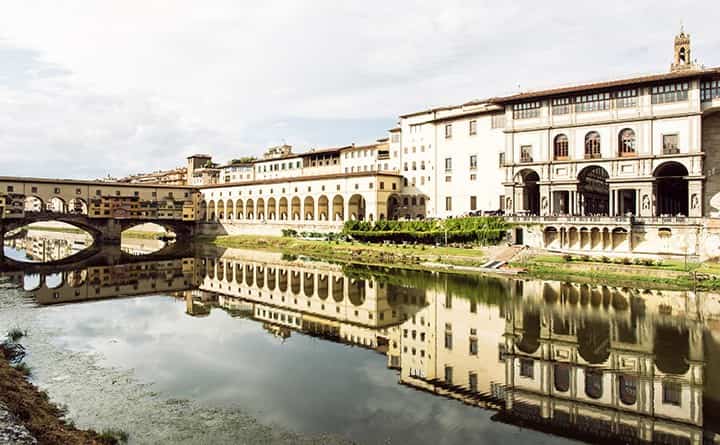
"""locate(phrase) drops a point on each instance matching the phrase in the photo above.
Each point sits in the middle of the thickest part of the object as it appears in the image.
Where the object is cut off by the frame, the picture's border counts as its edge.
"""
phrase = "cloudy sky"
(90, 88)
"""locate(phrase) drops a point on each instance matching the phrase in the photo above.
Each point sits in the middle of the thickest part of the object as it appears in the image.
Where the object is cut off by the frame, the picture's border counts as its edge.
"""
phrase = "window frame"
(593, 145)
(627, 143)
(561, 147)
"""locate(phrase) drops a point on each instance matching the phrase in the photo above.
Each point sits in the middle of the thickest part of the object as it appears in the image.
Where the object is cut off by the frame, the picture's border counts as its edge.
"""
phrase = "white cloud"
(95, 87)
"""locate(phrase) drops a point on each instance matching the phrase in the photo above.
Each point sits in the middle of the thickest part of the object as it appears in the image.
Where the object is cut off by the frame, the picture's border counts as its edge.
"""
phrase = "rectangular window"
(448, 203)
(473, 127)
(710, 90)
(561, 105)
(448, 178)
(473, 162)
(527, 110)
(526, 153)
(501, 159)
(448, 340)
(57, 190)
(626, 98)
(592, 102)
(395, 137)
(497, 120)
(672, 393)
(672, 92)
(382, 185)
(670, 144)
(448, 131)
(10, 189)
(473, 177)
(448, 164)
(473, 203)
(472, 381)
(448, 375)
(473, 346)
(527, 368)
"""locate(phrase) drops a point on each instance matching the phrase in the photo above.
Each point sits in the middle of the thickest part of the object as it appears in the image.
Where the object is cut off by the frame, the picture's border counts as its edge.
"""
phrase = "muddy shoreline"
(27, 416)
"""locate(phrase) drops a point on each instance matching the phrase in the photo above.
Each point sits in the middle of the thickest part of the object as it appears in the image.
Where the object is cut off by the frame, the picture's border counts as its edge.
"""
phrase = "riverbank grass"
(624, 271)
(407, 255)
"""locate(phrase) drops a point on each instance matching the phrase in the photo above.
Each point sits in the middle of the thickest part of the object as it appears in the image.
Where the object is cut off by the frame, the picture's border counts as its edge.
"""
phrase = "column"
(611, 204)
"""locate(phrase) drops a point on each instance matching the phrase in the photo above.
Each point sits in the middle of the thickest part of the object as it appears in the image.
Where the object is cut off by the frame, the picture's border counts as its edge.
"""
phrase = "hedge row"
(483, 230)
(484, 236)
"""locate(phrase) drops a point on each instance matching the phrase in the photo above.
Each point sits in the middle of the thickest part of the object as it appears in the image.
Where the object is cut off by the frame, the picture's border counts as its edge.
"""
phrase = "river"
(234, 346)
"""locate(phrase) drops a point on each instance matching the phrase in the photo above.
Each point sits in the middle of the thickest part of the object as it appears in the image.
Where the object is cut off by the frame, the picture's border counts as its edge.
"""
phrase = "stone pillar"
(611, 204)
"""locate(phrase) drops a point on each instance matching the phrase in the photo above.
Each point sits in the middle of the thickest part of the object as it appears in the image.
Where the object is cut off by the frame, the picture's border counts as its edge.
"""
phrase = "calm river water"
(210, 345)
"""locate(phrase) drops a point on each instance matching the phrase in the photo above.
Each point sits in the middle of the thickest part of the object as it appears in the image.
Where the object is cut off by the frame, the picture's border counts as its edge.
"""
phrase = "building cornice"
(27, 180)
(604, 122)
(302, 179)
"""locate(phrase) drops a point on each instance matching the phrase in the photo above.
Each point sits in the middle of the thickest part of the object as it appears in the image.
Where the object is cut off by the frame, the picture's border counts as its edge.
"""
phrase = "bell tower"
(682, 60)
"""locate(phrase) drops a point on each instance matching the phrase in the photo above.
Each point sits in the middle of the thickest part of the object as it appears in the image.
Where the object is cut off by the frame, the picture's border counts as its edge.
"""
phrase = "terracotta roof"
(88, 182)
(607, 84)
(300, 179)
(323, 151)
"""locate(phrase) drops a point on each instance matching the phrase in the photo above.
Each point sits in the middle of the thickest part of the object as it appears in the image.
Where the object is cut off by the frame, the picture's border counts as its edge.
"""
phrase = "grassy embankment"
(670, 274)
(408, 256)
(415, 242)
(33, 408)
(674, 274)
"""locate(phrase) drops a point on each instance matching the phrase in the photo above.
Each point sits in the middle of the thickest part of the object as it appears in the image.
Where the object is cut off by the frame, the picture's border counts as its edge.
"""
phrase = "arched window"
(627, 386)
(592, 145)
(562, 377)
(626, 143)
(561, 147)
(593, 383)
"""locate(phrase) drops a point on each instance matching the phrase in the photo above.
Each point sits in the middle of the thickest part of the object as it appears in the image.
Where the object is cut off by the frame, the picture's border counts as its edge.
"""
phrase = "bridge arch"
(34, 204)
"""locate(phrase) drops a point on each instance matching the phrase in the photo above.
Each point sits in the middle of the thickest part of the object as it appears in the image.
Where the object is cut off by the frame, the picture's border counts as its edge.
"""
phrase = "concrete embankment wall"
(265, 228)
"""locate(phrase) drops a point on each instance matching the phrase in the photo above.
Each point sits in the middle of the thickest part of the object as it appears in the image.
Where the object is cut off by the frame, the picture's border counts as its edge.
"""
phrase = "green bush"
(289, 233)
(473, 230)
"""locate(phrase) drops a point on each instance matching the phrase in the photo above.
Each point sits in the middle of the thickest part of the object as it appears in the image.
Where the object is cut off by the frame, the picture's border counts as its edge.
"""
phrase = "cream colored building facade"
(316, 191)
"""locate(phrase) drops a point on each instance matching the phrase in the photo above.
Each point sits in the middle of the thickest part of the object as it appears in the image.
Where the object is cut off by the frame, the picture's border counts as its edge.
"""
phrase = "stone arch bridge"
(103, 209)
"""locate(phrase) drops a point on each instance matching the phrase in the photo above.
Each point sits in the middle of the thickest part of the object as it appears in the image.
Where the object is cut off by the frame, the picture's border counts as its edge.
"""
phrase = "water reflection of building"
(322, 302)
(595, 363)
(111, 281)
(44, 246)
(596, 360)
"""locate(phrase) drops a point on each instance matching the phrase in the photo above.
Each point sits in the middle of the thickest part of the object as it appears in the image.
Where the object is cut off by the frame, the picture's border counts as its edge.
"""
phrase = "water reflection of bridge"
(95, 256)
(596, 363)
